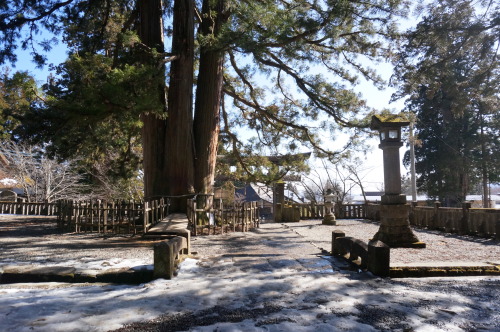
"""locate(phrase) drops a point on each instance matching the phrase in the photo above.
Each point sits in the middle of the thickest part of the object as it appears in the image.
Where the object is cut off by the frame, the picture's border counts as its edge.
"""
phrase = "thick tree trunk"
(179, 144)
(208, 100)
(154, 127)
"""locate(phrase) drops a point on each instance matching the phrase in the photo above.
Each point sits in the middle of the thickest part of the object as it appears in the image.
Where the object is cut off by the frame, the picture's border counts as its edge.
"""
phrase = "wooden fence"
(138, 217)
(464, 220)
(207, 218)
(27, 208)
(122, 217)
(111, 217)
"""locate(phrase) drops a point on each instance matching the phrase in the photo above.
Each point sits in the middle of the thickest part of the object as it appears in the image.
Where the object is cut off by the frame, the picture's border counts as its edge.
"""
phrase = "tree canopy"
(284, 70)
(449, 69)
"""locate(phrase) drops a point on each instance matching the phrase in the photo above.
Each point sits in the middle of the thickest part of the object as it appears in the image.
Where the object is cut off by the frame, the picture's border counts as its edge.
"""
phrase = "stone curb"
(444, 271)
(25, 274)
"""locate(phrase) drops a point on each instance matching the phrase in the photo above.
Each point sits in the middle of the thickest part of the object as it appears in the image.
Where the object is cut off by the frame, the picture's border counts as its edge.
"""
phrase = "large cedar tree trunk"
(154, 127)
(179, 144)
(208, 100)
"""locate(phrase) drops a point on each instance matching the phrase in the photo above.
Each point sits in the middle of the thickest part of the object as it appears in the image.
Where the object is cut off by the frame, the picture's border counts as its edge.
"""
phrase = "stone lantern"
(329, 218)
(394, 223)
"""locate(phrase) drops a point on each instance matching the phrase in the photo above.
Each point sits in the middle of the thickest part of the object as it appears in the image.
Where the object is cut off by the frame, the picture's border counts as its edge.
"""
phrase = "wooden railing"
(464, 220)
(207, 218)
(27, 208)
(111, 217)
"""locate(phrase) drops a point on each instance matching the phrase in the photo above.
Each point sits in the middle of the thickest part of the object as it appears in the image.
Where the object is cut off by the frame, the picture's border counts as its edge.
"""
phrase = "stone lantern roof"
(388, 121)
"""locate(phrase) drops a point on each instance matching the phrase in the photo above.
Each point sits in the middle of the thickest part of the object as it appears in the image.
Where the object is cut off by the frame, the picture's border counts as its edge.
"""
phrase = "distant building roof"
(256, 192)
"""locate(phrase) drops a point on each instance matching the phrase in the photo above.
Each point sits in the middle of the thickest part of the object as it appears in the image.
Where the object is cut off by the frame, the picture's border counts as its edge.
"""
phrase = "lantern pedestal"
(395, 228)
(329, 219)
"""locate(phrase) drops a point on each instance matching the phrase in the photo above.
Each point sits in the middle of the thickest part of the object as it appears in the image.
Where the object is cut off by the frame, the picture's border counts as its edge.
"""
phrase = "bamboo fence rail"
(111, 217)
(29, 208)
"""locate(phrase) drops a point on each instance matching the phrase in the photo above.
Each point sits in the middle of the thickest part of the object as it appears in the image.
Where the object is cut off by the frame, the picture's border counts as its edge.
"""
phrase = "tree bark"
(208, 100)
(179, 143)
(154, 127)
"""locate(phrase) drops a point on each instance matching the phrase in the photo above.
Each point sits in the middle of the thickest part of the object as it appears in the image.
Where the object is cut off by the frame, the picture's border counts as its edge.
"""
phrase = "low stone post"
(337, 249)
(163, 261)
(379, 258)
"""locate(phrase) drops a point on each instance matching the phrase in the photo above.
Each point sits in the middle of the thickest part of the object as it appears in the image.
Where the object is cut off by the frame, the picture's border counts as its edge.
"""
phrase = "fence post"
(411, 216)
(145, 215)
(435, 218)
(497, 229)
(463, 224)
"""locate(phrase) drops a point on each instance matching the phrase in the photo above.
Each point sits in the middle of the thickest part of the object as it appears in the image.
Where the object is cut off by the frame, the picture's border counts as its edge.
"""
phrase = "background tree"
(449, 68)
(42, 179)
(18, 93)
(340, 177)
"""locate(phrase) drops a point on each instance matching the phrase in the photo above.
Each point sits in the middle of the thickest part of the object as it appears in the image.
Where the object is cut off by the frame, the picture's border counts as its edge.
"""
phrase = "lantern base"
(395, 228)
(329, 219)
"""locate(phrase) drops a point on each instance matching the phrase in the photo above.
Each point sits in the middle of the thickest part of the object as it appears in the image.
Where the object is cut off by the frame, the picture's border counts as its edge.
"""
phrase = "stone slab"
(444, 269)
(445, 264)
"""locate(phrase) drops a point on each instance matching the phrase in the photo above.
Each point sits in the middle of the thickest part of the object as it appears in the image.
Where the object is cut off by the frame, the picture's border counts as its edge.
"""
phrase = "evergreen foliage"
(449, 68)
(18, 93)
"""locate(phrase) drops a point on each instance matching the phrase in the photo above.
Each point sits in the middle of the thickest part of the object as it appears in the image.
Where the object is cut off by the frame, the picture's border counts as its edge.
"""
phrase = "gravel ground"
(441, 247)
(37, 240)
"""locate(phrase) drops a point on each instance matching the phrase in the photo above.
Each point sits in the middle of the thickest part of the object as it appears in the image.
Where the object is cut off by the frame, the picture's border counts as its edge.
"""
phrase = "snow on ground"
(90, 264)
(271, 279)
(227, 295)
